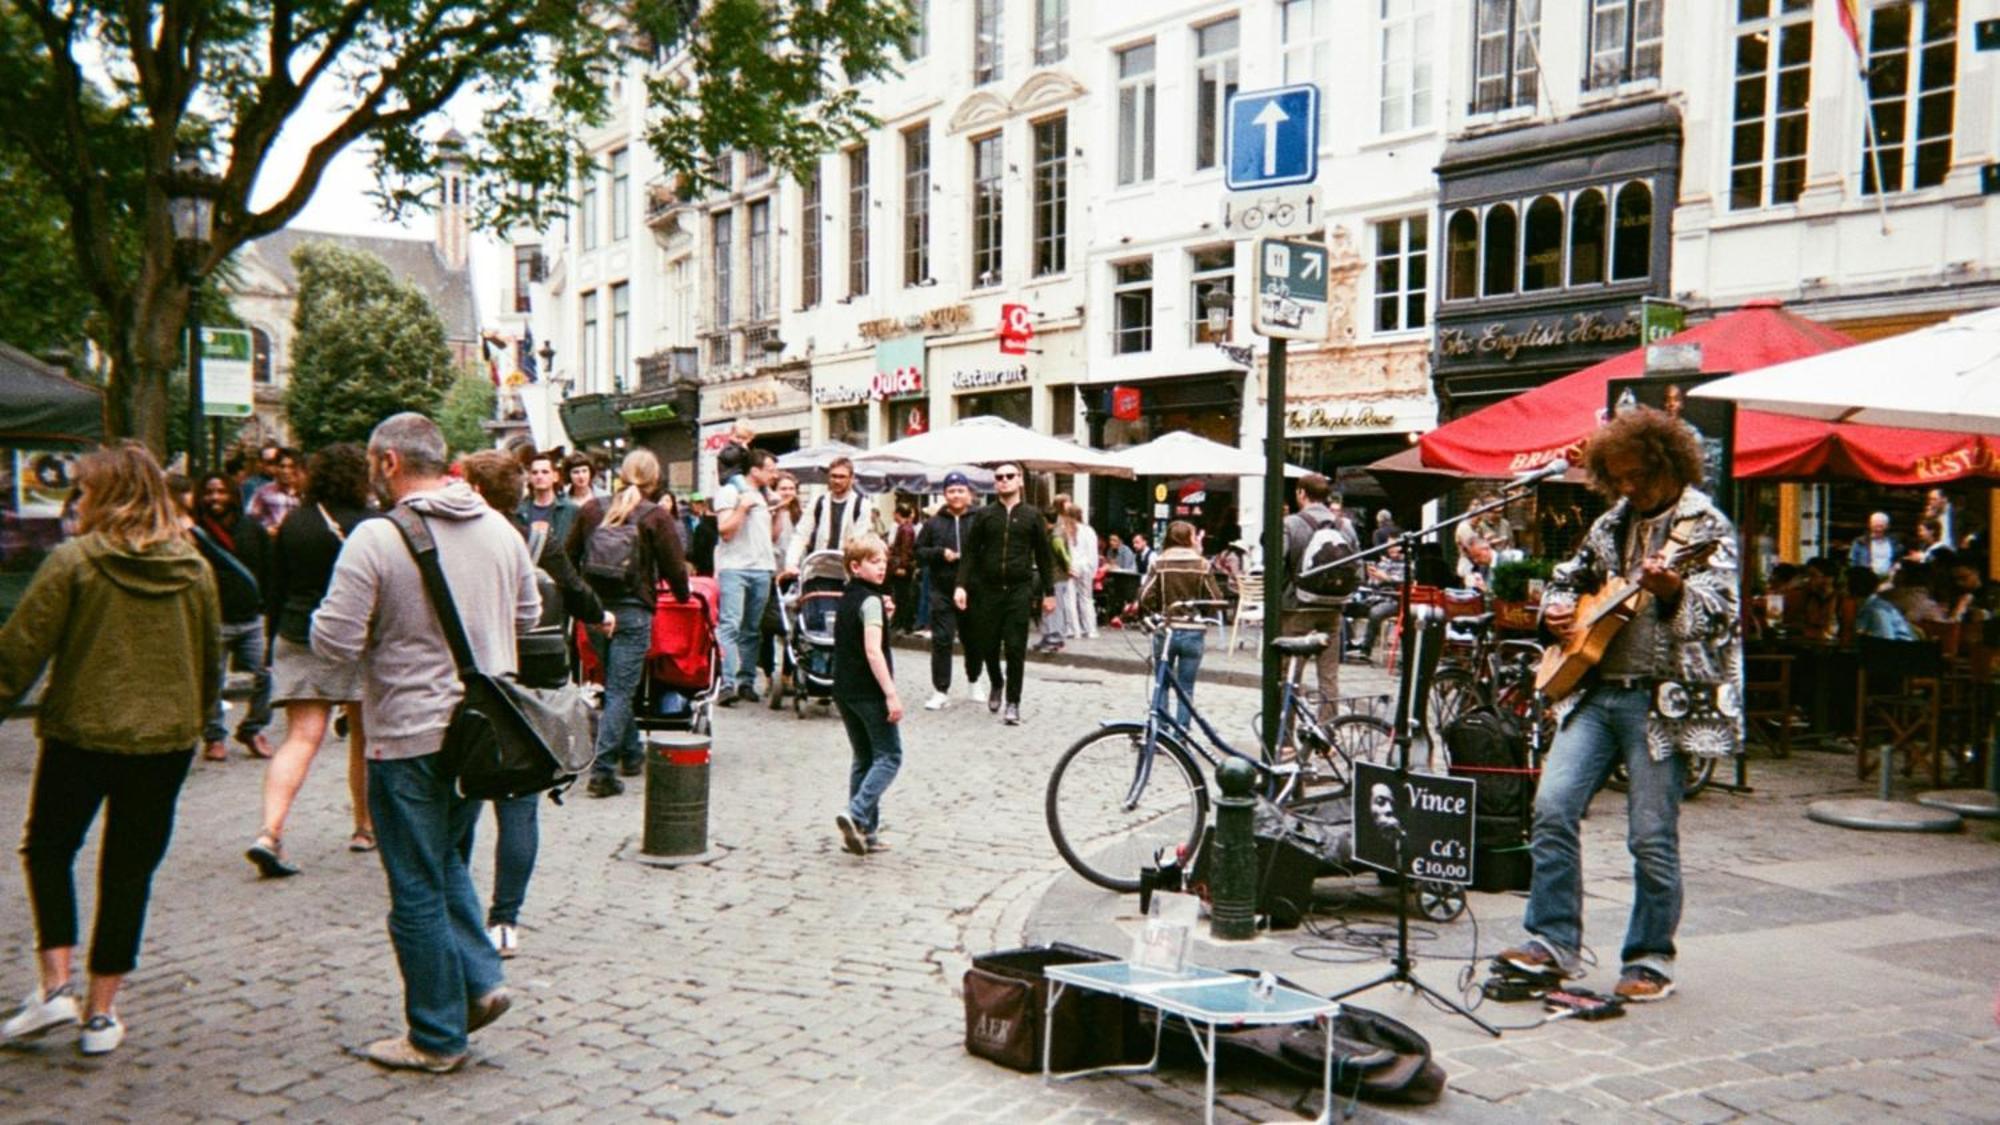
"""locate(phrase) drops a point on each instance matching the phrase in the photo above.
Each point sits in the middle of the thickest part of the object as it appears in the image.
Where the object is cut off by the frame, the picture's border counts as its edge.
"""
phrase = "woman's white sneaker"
(937, 702)
(505, 938)
(101, 1035)
(41, 1012)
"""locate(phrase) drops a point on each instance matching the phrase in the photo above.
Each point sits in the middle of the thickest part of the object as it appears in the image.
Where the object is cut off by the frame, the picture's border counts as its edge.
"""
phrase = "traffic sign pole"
(1274, 538)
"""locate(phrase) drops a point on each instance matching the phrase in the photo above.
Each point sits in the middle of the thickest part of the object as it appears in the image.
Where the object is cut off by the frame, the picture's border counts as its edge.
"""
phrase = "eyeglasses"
(1006, 476)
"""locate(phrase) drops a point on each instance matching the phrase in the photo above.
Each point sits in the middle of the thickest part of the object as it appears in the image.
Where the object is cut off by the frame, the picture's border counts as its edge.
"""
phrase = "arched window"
(260, 355)
(1503, 237)
(1632, 245)
(1588, 238)
(1542, 246)
(1462, 257)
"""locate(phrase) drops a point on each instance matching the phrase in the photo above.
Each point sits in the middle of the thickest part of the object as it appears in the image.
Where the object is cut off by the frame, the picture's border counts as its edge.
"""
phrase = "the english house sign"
(1534, 337)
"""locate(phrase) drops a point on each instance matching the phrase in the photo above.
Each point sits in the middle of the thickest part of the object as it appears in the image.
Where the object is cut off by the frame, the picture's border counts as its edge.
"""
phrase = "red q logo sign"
(1016, 329)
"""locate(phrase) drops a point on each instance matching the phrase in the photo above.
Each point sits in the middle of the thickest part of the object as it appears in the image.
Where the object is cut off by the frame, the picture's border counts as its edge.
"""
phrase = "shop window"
(1462, 256)
(1625, 40)
(1051, 196)
(848, 424)
(1502, 244)
(907, 417)
(1505, 53)
(1214, 83)
(1402, 252)
(1632, 248)
(1542, 246)
(1134, 296)
(1012, 406)
(1769, 116)
(987, 222)
(1136, 96)
(1209, 271)
(1589, 239)
(1912, 73)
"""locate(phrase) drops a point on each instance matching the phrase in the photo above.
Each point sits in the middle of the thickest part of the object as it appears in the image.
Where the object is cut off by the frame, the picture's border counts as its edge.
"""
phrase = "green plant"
(1510, 579)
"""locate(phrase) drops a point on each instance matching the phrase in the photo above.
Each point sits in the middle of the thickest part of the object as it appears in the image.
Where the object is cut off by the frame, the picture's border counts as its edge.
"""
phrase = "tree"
(103, 100)
(468, 406)
(365, 345)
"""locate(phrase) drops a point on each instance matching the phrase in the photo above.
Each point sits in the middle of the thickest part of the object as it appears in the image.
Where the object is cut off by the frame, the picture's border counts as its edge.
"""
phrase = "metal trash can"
(676, 794)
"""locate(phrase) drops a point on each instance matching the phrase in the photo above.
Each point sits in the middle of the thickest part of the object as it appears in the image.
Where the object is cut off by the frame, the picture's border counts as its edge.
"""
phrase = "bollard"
(1232, 883)
(676, 794)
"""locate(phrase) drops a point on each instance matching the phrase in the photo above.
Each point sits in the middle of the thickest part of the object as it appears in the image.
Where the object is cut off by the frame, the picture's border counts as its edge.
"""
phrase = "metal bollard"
(1232, 882)
(676, 794)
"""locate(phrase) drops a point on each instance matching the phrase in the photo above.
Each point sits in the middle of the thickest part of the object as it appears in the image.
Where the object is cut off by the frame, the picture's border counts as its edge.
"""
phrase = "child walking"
(864, 689)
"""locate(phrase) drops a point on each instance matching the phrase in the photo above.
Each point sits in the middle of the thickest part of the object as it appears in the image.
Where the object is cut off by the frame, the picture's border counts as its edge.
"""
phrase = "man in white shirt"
(744, 562)
(834, 517)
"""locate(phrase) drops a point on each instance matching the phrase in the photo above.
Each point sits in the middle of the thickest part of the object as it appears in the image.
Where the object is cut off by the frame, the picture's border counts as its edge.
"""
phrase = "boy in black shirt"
(864, 690)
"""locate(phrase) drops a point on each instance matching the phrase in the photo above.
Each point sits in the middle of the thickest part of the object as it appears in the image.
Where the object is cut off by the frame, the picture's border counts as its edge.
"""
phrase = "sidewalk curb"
(1133, 666)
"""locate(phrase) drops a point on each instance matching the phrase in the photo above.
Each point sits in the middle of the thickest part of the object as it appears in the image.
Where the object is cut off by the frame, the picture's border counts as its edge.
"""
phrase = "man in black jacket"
(1005, 568)
(939, 546)
(238, 550)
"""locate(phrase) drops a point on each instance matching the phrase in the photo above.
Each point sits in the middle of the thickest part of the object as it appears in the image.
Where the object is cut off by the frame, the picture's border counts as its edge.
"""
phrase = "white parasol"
(990, 441)
(1182, 454)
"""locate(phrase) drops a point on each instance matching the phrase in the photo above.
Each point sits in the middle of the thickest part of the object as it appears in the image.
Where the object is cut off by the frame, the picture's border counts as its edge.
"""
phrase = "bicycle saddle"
(1474, 625)
(1312, 644)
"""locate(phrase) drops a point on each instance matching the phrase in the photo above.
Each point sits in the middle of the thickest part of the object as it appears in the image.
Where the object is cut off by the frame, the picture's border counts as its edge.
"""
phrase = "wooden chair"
(1962, 688)
(1250, 601)
(1898, 688)
(1767, 699)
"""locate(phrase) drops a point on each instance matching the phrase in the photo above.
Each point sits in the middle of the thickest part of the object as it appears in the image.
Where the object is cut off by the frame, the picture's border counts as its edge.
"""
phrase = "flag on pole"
(1849, 12)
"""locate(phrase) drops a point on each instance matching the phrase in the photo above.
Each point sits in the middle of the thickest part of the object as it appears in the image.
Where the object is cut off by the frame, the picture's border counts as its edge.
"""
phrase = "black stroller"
(807, 606)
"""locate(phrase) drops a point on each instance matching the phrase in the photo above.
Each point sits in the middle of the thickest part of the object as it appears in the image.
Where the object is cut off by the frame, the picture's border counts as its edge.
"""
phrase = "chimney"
(454, 221)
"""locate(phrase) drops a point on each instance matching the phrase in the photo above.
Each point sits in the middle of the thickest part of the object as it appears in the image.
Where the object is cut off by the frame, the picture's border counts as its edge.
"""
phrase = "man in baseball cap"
(938, 547)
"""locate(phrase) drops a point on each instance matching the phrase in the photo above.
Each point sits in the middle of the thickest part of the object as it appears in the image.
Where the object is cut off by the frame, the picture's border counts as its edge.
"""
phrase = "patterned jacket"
(1703, 642)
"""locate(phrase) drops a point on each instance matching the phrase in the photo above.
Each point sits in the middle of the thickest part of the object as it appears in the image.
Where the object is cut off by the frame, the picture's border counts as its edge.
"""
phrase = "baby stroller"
(684, 662)
(807, 606)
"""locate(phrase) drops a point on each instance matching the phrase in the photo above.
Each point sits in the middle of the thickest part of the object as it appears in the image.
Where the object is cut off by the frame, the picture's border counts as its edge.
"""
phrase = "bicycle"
(1112, 811)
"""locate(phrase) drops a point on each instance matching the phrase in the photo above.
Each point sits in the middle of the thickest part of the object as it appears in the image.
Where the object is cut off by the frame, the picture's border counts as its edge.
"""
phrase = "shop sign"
(980, 378)
(824, 395)
(1536, 337)
(899, 368)
(748, 400)
(1125, 403)
(1337, 418)
(1016, 329)
(943, 320)
(1332, 417)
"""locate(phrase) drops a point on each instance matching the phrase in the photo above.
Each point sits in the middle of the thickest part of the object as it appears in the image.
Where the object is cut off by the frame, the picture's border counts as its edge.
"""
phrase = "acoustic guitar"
(1600, 617)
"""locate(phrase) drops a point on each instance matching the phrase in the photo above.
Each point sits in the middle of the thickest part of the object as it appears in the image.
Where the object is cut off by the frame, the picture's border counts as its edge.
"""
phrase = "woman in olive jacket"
(128, 613)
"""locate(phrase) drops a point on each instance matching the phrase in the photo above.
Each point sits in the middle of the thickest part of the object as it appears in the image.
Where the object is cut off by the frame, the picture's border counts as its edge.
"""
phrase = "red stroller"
(683, 664)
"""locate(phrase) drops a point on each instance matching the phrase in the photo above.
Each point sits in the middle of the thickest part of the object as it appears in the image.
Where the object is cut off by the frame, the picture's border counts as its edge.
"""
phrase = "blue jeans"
(743, 595)
(878, 756)
(1608, 726)
(421, 825)
(623, 657)
(519, 840)
(244, 642)
(1182, 650)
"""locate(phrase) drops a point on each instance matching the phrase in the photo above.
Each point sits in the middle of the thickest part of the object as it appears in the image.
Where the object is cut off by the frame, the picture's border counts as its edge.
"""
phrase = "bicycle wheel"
(1331, 749)
(1454, 691)
(1098, 836)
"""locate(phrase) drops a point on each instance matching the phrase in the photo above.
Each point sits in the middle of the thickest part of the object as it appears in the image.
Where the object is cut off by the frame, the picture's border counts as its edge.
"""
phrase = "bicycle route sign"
(1272, 137)
(1294, 210)
(1290, 301)
(1432, 814)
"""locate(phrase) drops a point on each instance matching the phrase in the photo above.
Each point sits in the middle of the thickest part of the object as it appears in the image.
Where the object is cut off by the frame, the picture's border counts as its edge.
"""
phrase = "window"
(919, 43)
(588, 356)
(1402, 273)
(848, 424)
(1632, 240)
(809, 235)
(260, 355)
(762, 307)
(621, 194)
(1912, 72)
(1214, 81)
(1589, 239)
(1136, 95)
(1134, 294)
(1051, 196)
(720, 269)
(1504, 53)
(857, 222)
(1461, 256)
(1062, 410)
(527, 271)
(1625, 39)
(1051, 31)
(1767, 143)
(1502, 240)
(1406, 65)
(680, 284)
(987, 226)
(988, 48)
(586, 211)
(755, 165)
(1209, 271)
(621, 334)
(1304, 49)
(917, 205)
(1542, 246)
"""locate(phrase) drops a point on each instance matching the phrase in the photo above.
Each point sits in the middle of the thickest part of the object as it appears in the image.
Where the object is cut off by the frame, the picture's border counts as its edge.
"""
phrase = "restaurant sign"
(1325, 419)
(1540, 337)
(981, 378)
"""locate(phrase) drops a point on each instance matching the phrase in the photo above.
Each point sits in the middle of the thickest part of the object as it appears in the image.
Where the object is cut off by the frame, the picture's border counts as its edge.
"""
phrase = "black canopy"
(40, 406)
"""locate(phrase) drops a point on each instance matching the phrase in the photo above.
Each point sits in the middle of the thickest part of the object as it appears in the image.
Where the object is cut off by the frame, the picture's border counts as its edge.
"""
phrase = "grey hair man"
(377, 611)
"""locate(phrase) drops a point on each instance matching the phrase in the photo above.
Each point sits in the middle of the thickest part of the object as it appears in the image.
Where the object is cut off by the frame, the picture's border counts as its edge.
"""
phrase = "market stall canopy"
(1945, 377)
(40, 406)
(990, 441)
(1182, 454)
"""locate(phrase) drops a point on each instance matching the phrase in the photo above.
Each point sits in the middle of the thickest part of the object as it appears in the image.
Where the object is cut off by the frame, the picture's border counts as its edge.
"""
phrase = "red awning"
(1535, 427)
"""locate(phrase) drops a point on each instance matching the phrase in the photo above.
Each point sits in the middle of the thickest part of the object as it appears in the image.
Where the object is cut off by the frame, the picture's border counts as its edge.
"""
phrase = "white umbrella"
(1182, 454)
(990, 441)
(1945, 377)
(877, 474)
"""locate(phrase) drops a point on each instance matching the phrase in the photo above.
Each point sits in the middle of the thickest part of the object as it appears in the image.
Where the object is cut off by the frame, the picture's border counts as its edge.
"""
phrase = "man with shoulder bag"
(1316, 589)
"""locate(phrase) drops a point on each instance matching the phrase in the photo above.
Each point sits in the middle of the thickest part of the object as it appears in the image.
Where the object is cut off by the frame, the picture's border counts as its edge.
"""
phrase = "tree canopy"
(365, 345)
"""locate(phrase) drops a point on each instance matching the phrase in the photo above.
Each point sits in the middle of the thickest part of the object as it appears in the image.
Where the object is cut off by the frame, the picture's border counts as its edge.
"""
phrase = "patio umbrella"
(1182, 454)
(990, 441)
(877, 474)
(1945, 377)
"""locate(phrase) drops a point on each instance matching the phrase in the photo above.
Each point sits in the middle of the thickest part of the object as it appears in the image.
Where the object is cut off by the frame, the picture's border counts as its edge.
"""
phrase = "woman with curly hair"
(307, 685)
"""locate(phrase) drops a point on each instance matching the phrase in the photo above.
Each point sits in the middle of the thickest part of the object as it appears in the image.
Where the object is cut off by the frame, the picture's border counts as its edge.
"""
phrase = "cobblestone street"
(1826, 975)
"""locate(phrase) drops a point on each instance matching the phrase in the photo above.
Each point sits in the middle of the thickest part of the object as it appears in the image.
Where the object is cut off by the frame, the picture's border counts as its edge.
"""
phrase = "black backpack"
(611, 552)
(1322, 579)
(1489, 747)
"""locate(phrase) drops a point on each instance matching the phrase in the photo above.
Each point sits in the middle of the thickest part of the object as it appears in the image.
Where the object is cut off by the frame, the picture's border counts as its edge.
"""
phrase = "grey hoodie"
(376, 611)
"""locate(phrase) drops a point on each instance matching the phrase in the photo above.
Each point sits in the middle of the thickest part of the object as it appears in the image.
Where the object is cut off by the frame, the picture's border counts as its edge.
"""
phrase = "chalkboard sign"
(1432, 814)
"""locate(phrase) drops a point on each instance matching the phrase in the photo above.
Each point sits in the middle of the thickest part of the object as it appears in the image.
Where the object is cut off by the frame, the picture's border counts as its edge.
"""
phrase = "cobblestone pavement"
(1827, 975)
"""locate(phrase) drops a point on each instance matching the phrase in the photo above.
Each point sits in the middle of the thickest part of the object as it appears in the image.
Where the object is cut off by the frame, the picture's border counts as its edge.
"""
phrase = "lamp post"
(548, 353)
(192, 207)
(1217, 305)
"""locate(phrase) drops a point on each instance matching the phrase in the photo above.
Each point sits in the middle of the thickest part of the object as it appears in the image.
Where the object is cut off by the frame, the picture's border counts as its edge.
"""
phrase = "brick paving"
(1827, 975)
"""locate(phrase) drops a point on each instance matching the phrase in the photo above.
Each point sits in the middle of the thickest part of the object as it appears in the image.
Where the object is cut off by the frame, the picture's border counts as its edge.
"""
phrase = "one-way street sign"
(1273, 137)
(1291, 290)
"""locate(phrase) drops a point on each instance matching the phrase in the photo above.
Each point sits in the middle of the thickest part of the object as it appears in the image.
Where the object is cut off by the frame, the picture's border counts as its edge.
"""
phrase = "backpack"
(611, 553)
(1489, 747)
(1321, 578)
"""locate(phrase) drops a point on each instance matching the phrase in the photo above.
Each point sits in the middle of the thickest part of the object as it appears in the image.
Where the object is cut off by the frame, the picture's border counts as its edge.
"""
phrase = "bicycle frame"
(1160, 720)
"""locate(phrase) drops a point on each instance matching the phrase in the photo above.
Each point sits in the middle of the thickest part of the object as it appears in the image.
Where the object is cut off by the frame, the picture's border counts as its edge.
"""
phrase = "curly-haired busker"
(1681, 647)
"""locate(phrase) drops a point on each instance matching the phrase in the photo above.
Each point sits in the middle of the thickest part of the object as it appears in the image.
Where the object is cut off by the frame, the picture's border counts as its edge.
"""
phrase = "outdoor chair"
(1767, 699)
(1250, 601)
(1896, 704)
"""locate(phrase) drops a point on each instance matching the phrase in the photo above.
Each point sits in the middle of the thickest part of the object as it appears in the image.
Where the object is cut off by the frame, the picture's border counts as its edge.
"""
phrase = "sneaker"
(1092, 635)
(993, 697)
(1535, 959)
(850, 835)
(1641, 985)
(401, 1054)
(506, 939)
(630, 767)
(937, 702)
(747, 694)
(40, 1012)
(725, 697)
(1012, 716)
(489, 1007)
(101, 1035)
(268, 856)
(604, 785)
(974, 693)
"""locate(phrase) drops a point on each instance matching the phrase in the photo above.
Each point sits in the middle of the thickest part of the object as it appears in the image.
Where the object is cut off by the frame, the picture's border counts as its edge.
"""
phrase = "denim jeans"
(878, 756)
(244, 642)
(1182, 650)
(1608, 726)
(421, 824)
(623, 658)
(519, 839)
(743, 595)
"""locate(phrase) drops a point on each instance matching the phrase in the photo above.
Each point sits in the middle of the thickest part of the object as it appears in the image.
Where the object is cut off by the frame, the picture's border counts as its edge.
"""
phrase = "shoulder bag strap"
(332, 524)
(417, 536)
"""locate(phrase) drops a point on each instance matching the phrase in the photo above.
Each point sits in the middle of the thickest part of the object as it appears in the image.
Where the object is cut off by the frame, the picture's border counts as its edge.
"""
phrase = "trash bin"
(676, 794)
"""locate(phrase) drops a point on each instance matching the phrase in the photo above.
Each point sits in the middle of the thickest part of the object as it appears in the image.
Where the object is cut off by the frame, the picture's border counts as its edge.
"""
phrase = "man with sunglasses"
(1006, 568)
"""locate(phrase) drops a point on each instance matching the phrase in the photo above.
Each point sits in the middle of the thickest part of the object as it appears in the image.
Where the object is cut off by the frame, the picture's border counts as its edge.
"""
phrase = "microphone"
(1555, 468)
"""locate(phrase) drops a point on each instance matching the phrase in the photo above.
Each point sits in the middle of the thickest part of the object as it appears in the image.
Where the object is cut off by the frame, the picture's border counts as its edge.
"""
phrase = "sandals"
(267, 855)
(363, 840)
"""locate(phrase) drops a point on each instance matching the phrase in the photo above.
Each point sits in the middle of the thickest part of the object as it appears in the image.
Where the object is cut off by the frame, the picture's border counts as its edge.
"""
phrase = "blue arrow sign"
(1273, 137)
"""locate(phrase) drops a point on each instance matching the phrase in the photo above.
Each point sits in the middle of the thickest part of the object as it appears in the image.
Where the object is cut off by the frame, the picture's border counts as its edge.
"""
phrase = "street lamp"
(192, 208)
(1217, 304)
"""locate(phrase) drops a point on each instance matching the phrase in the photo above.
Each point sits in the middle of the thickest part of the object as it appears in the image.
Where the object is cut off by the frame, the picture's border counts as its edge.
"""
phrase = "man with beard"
(1007, 573)
(239, 552)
